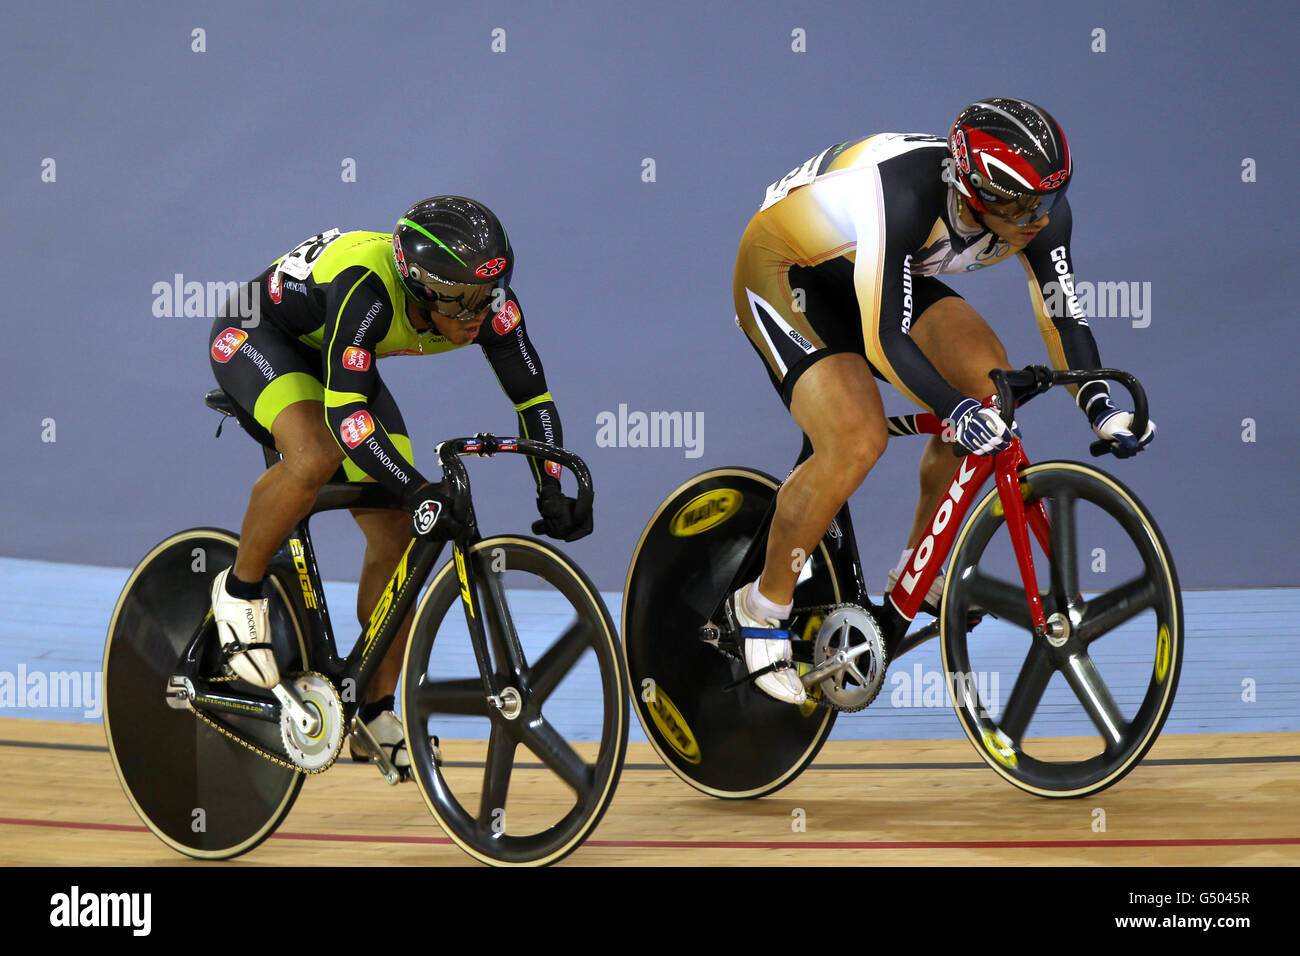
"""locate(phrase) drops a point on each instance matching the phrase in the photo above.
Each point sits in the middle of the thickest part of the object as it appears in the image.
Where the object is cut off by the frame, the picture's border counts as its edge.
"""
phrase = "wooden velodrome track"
(1203, 800)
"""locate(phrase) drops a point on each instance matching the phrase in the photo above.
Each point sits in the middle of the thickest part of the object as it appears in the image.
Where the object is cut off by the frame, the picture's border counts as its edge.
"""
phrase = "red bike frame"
(932, 550)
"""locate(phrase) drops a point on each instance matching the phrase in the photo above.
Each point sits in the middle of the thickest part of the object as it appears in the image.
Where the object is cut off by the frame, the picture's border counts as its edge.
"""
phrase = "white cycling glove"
(1110, 423)
(980, 429)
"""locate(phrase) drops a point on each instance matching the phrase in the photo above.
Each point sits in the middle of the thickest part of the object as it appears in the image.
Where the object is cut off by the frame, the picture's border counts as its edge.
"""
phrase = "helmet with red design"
(1009, 151)
(451, 254)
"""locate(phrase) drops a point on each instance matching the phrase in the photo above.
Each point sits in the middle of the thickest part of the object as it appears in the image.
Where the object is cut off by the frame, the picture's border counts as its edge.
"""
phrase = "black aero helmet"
(451, 253)
(1007, 150)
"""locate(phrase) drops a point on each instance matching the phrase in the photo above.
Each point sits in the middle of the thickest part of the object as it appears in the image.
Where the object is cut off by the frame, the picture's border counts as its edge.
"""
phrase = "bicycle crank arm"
(835, 665)
(392, 776)
(306, 722)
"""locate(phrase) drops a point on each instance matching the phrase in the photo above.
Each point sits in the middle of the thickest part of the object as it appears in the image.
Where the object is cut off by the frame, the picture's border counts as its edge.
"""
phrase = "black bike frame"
(294, 564)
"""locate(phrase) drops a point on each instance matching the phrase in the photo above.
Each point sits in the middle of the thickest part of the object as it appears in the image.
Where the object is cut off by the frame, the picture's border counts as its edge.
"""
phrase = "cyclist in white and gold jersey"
(835, 285)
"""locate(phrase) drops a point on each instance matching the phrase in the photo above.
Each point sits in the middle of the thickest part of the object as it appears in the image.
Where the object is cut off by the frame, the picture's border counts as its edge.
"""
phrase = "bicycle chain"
(261, 752)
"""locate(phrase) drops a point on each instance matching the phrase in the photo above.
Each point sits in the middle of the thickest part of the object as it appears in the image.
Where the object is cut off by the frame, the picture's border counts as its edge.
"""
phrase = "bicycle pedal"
(358, 750)
(407, 774)
(180, 691)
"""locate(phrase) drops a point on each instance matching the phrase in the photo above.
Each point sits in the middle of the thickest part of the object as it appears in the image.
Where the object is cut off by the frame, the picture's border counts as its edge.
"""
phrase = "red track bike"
(1059, 578)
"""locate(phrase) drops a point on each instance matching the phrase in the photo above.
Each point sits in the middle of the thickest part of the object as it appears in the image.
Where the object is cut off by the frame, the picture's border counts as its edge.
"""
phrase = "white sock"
(902, 562)
(762, 608)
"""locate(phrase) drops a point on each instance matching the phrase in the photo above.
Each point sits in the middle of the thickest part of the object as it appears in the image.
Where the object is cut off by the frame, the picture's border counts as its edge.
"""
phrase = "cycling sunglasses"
(1027, 206)
(458, 301)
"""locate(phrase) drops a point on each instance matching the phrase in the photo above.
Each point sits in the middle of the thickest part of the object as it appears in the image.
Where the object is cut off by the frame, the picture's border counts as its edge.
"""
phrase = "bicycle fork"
(1012, 495)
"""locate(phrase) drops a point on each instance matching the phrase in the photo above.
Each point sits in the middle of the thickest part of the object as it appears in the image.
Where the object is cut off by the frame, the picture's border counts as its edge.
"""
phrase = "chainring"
(316, 752)
(856, 684)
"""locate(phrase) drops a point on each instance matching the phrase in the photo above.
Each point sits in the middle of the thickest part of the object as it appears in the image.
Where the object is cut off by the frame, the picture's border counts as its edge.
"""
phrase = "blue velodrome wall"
(1241, 671)
(146, 141)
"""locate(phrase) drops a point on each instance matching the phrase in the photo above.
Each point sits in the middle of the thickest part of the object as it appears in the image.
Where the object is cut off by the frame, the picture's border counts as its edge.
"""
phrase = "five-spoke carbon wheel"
(524, 779)
(1077, 707)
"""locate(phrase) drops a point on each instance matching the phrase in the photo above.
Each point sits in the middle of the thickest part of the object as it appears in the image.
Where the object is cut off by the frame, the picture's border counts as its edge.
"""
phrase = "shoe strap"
(764, 634)
(230, 650)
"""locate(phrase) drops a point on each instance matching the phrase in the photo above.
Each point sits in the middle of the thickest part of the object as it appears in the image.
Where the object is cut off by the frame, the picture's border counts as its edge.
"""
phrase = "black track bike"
(212, 765)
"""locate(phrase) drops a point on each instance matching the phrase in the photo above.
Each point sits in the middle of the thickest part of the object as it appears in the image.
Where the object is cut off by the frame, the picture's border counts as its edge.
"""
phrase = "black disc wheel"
(523, 780)
(201, 792)
(737, 743)
(1069, 712)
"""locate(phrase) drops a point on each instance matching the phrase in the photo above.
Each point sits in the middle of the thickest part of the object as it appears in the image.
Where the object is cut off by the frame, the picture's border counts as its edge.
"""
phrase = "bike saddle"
(219, 401)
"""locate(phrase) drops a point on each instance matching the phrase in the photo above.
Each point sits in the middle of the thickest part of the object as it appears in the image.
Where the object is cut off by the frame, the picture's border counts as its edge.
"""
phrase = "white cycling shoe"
(244, 633)
(763, 651)
(386, 728)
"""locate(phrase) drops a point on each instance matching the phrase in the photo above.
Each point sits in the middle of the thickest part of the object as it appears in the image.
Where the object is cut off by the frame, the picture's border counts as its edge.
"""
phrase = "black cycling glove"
(430, 508)
(563, 517)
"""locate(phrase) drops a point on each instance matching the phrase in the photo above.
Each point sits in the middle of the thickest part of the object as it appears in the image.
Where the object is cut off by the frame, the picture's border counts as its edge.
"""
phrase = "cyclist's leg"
(271, 380)
(964, 349)
(804, 323)
(837, 404)
(387, 533)
(285, 492)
